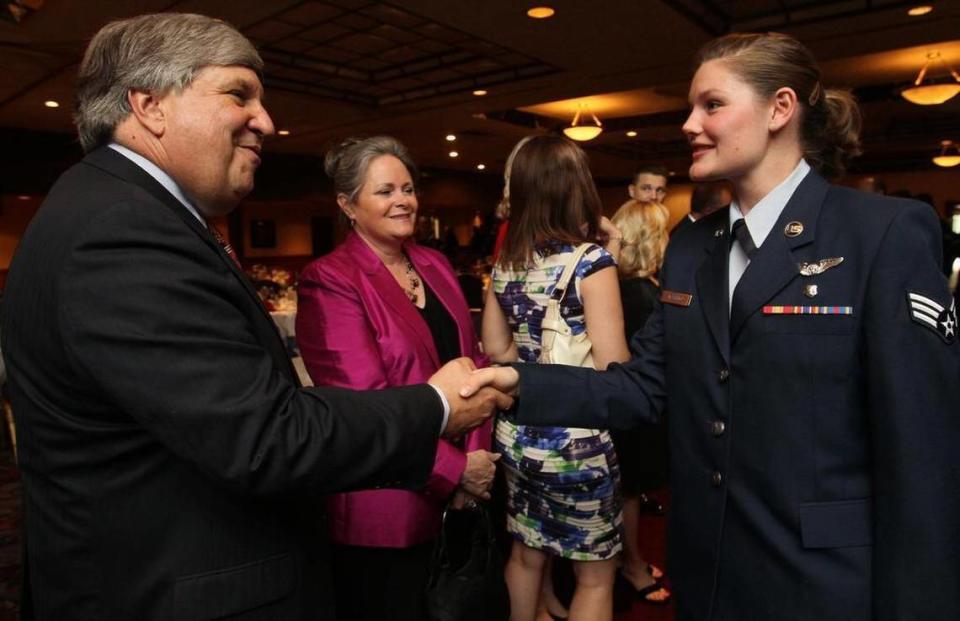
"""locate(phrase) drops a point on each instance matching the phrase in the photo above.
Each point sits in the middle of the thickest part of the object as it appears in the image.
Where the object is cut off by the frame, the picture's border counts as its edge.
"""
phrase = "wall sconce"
(949, 155)
(932, 93)
(583, 133)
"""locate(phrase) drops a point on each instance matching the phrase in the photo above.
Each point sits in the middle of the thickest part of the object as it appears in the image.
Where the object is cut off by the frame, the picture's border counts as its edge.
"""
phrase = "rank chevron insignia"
(933, 315)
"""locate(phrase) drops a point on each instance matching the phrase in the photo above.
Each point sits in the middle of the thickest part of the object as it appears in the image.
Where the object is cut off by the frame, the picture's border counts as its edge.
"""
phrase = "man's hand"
(504, 379)
(466, 413)
(478, 475)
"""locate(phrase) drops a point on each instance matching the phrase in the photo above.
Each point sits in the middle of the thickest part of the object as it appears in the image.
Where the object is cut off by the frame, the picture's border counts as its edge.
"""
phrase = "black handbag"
(466, 573)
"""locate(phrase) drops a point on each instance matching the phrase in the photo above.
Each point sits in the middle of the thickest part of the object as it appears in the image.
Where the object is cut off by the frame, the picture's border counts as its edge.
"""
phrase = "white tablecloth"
(287, 325)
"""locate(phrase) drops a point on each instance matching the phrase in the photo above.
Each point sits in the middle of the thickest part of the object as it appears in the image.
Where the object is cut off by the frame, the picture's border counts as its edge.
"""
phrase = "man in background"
(649, 184)
(172, 465)
(705, 199)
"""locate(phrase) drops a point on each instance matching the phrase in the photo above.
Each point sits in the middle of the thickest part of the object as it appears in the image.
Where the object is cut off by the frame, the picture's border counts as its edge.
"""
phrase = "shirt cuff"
(446, 407)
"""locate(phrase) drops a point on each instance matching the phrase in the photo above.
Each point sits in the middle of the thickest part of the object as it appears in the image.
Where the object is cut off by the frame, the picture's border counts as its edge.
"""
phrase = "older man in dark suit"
(171, 462)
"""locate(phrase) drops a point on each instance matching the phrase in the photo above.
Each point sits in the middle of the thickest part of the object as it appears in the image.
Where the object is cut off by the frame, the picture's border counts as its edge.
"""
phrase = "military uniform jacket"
(814, 429)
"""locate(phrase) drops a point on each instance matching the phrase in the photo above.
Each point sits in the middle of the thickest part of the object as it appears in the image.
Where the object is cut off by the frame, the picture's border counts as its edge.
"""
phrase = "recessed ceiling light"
(23, 197)
(283, 132)
(540, 12)
(451, 137)
(453, 154)
(672, 173)
(917, 11)
(481, 166)
(479, 92)
(51, 103)
(631, 133)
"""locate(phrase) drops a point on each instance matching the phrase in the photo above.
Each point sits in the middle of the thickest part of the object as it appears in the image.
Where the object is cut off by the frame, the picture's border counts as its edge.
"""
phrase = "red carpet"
(10, 519)
(653, 546)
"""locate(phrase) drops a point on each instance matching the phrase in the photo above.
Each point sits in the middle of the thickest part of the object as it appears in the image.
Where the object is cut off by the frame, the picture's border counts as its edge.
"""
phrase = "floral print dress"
(562, 482)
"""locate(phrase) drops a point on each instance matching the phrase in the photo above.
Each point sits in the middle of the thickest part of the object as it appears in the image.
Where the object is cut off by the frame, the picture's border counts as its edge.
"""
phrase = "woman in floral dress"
(562, 487)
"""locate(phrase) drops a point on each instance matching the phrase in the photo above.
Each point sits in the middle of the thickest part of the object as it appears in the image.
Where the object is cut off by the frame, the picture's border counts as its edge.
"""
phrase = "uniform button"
(716, 479)
(717, 428)
(723, 375)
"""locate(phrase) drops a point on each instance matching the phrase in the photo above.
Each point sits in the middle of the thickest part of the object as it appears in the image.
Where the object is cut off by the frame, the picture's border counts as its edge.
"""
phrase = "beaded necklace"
(414, 282)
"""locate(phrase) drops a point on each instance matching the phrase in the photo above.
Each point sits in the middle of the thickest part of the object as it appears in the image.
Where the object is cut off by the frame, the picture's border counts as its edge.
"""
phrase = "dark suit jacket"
(814, 469)
(171, 463)
(684, 222)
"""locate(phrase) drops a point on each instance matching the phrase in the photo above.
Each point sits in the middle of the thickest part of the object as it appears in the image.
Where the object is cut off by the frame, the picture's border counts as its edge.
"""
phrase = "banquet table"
(286, 322)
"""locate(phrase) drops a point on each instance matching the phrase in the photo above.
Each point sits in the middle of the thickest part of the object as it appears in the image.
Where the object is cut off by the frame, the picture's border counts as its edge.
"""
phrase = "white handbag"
(558, 343)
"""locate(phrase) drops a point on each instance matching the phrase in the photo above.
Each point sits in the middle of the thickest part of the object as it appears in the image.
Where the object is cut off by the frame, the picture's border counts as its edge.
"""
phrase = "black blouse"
(446, 337)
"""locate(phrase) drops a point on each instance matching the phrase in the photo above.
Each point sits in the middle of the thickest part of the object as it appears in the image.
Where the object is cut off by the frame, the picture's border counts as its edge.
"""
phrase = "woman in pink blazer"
(382, 311)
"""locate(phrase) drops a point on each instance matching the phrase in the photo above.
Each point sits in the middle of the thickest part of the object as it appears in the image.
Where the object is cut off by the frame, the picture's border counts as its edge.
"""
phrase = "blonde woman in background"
(642, 453)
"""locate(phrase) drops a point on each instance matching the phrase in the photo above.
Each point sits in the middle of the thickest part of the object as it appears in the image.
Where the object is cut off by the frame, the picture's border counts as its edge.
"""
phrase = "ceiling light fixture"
(582, 133)
(479, 92)
(454, 154)
(932, 93)
(481, 166)
(16, 10)
(949, 155)
(540, 12)
(283, 132)
(631, 134)
(451, 137)
(917, 11)
(51, 103)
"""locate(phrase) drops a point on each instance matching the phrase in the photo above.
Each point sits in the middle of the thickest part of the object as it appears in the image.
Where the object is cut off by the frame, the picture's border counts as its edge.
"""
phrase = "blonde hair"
(644, 228)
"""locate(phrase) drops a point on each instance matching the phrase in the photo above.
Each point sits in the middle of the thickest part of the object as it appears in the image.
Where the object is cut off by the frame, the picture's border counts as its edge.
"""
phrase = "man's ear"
(631, 191)
(148, 109)
(784, 108)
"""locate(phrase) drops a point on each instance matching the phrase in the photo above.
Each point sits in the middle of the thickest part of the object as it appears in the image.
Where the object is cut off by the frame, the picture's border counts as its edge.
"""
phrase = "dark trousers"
(381, 584)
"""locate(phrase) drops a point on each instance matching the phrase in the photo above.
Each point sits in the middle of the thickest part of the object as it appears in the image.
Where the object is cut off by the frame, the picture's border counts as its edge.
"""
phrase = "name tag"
(676, 298)
(807, 310)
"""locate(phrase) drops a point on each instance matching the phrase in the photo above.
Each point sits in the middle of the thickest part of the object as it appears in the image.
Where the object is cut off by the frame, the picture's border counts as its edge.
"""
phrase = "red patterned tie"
(227, 247)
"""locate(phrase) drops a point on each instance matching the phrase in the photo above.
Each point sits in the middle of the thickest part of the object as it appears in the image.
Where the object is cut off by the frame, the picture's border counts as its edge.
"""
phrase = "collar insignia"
(793, 229)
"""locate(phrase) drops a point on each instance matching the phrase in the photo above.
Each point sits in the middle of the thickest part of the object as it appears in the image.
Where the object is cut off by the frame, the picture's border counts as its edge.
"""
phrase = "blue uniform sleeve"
(913, 375)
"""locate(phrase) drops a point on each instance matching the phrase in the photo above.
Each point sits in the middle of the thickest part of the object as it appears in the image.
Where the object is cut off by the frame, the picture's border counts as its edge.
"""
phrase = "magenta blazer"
(357, 329)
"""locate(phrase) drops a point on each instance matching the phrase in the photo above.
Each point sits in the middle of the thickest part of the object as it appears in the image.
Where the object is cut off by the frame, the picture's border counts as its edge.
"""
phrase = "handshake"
(473, 393)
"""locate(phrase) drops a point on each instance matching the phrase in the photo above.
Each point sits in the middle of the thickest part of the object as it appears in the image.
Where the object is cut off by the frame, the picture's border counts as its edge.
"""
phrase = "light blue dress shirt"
(760, 220)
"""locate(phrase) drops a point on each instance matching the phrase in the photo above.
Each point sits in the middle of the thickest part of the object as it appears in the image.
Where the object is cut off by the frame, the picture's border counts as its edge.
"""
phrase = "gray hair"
(154, 53)
(347, 163)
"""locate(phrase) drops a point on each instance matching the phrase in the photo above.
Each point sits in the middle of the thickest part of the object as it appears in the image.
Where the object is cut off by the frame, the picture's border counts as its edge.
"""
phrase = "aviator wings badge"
(819, 267)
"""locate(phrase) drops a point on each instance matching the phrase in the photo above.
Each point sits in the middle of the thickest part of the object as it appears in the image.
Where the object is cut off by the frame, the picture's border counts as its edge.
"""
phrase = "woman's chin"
(699, 173)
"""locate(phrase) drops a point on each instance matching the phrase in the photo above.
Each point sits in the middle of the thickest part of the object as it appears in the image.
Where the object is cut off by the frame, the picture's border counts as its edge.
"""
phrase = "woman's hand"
(608, 230)
(477, 477)
(611, 237)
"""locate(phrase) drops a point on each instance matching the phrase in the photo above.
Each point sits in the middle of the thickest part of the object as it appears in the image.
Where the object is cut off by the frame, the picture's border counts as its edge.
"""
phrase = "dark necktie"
(227, 247)
(742, 234)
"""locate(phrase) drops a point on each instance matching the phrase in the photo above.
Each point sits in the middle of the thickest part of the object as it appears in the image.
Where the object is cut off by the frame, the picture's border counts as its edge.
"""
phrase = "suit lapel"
(392, 294)
(712, 286)
(774, 266)
(117, 165)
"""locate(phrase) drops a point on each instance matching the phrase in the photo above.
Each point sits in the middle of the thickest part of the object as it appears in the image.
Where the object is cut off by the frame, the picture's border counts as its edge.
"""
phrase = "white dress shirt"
(760, 221)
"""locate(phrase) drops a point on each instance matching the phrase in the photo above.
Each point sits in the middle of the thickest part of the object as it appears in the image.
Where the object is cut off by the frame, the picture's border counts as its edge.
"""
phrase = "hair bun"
(331, 161)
